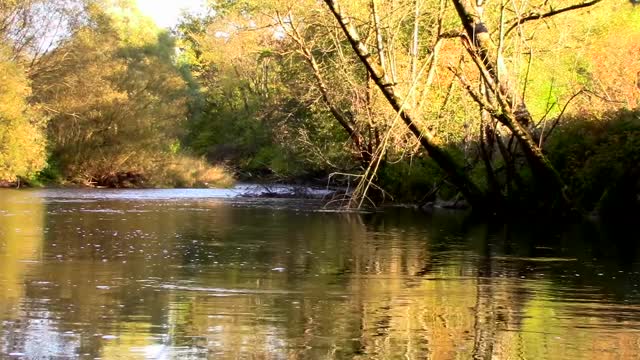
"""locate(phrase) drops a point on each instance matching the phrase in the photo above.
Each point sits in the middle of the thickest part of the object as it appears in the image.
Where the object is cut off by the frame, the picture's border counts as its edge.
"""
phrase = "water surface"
(202, 274)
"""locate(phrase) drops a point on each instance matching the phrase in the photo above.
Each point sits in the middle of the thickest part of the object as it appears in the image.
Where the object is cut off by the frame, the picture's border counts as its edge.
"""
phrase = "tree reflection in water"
(206, 278)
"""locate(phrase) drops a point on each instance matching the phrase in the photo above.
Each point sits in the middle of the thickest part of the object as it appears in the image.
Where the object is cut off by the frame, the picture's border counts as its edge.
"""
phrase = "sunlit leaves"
(116, 98)
(21, 126)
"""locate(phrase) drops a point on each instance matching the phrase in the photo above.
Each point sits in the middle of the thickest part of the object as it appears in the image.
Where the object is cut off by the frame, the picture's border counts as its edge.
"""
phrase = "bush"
(413, 180)
(188, 172)
(600, 160)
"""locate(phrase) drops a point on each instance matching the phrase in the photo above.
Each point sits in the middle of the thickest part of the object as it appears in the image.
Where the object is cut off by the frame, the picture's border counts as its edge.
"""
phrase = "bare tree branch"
(537, 16)
(543, 138)
(433, 146)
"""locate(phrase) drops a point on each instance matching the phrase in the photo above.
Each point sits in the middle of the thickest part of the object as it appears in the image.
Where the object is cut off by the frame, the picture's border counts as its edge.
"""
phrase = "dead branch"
(537, 16)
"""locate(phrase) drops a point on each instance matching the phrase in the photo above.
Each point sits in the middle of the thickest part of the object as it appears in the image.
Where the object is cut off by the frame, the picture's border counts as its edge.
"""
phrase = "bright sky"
(167, 12)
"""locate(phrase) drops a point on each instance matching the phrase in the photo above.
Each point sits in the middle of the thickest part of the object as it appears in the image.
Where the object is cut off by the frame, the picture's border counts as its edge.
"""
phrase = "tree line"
(94, 97)
(507, 105)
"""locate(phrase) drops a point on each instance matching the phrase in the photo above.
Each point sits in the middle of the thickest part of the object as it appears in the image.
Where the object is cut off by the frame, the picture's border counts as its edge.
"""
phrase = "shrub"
(600, 159)
(187, 172)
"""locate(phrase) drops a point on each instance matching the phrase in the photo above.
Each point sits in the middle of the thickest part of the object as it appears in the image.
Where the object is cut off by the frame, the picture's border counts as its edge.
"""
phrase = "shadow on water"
(173, 275)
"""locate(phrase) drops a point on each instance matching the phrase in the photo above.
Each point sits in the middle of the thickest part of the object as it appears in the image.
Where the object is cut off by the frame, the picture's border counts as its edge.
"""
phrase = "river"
(203, 274)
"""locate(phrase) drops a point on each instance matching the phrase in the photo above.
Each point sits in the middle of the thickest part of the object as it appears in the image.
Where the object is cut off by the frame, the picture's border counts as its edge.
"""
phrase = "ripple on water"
(200, 274)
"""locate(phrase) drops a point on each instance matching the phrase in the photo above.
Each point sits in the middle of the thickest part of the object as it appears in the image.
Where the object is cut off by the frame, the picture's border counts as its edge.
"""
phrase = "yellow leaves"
(133, 28)
(22, 142)
(593, 49)
(116, 97)
(186, 171)
(14, 88)
(21, 150)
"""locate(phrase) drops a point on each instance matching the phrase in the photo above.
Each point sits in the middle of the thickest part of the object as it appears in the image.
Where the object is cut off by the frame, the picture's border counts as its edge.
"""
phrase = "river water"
(202, 274)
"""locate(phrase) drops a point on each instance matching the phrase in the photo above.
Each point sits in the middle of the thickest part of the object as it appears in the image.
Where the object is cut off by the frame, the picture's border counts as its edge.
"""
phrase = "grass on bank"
(175, 171)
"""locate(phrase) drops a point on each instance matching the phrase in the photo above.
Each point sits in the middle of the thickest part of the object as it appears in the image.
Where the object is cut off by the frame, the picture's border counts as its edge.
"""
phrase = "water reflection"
(21, 233)
(128, 277)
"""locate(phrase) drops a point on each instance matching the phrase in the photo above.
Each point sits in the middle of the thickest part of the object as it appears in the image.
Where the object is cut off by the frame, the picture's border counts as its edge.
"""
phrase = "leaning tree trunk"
(455, 172)
(512, 110)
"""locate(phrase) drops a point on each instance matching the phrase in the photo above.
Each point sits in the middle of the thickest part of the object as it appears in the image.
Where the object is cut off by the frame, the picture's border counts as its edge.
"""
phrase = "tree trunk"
(379, 39)
(455, 172)
(492, 59)
(513, 112)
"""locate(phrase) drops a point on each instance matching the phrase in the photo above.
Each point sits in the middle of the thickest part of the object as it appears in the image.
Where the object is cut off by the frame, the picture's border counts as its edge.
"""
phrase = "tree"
(461, 180)
(115, 96)
(32, 28)
(258, 112)
(320, 108)
(504, 111)
(22, 142)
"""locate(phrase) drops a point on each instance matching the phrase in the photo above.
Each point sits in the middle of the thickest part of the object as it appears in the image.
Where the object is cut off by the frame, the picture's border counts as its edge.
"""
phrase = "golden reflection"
(21, 235)
(132, 342)
(198, 280)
